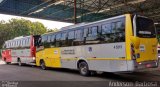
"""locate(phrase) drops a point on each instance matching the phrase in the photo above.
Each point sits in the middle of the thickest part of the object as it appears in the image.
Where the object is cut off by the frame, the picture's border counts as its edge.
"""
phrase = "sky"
(47, 23)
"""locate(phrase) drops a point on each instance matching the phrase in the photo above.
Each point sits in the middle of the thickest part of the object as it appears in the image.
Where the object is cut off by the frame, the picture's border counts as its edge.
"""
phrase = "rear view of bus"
(143, 45)
(20, 50)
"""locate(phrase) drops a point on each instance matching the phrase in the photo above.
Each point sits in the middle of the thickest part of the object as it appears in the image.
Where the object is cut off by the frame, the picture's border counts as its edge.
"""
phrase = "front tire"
(19, 62)
(43, 66)
(83, 69)
(6, 61)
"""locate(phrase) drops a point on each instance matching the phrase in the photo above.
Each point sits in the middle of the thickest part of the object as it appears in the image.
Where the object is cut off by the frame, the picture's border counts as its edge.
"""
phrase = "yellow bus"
(124, 43)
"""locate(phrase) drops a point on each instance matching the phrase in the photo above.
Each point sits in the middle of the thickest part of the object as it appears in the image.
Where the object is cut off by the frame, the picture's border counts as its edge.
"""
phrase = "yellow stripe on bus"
(95, 58)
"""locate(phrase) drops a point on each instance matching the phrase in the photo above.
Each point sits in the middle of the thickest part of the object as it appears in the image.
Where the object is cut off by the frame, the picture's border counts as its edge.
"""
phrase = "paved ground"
(28, 73)
(28, 76)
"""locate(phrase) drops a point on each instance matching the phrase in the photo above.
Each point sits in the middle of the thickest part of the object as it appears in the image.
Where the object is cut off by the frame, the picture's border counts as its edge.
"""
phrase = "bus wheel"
(83, 69)
(19, 62)
(6, 61)
(42, 64)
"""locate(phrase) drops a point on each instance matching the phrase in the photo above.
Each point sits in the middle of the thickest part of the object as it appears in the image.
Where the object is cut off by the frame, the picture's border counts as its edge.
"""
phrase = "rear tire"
(83, 69)
(42, 64)
(19, 62)
(6, 61)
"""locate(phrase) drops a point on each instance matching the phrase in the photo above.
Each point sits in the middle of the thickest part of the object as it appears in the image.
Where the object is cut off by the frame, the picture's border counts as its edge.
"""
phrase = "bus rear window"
(145, 28)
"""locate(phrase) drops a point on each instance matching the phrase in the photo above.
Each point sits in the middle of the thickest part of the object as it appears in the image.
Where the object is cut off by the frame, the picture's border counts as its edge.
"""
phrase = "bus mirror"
(135, 41)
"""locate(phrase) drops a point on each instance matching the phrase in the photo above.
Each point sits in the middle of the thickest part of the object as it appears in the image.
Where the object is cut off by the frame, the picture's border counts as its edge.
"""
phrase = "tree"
(22, 27)
(19, 27)
(53, 30)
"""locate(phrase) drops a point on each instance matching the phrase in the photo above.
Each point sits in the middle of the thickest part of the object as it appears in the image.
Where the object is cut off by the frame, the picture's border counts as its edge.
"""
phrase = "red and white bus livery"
(20, 50)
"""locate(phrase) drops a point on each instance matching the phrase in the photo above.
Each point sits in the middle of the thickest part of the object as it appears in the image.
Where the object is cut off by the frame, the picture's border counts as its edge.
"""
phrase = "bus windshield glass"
(145, 28)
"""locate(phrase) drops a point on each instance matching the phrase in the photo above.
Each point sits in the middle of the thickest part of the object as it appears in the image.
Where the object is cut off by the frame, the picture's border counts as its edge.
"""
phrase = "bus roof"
(17, 38)
(84, 24)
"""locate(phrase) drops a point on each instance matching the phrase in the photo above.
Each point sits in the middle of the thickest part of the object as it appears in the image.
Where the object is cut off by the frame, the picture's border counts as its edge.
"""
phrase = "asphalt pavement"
(13, 72)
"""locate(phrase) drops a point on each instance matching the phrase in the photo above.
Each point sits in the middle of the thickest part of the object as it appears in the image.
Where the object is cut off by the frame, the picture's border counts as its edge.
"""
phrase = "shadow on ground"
(135, 76)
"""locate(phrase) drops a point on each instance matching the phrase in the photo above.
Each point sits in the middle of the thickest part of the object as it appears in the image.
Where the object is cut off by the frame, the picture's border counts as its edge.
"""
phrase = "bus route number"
(117, 46)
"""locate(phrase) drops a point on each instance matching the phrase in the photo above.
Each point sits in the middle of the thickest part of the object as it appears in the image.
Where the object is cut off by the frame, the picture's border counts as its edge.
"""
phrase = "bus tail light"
(33, 51)
(34, 58)
(132, 52)
(139, 63)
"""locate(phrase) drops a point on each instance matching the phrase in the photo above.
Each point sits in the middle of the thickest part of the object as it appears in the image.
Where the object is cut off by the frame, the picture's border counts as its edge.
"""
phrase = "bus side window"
(52, 42)
(23, 43)
(49, 39)
(120, 31)
(94, 31)
(85, 32)
(71, 37)
(39, 42)
(12, 44)
(106, 33)
(64, 39)
(29, 42)
(20, 43)
(58, 38)
(8, 44)
(26, 42)
(113, 27)
(44, 40)
(16, 43)
(92, 37)
(120, 26)
(106, 28)
(79, 37)
(53, 38)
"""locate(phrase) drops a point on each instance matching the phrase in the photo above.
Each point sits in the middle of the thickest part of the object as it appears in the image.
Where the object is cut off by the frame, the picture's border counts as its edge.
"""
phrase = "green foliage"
(53, 30)
(19, 27)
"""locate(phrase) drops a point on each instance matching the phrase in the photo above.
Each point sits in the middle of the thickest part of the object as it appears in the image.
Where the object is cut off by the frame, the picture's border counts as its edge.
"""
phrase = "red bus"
(20, 50)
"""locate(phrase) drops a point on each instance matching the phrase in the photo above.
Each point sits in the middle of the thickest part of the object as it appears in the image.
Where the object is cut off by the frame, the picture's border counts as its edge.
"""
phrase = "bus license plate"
(148, 65)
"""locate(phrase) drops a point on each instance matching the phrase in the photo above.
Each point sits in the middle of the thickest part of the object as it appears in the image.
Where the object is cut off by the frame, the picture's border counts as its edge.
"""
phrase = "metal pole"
(75, 8)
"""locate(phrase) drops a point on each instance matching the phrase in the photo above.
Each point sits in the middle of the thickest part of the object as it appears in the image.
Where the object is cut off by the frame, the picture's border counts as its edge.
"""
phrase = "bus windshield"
(145, 28)
(36, 40)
